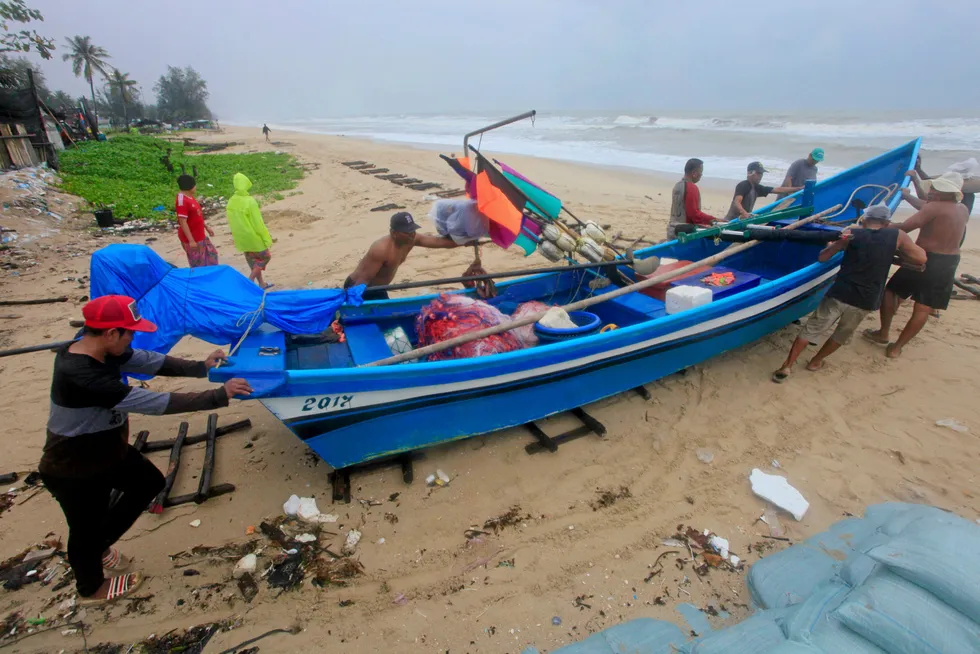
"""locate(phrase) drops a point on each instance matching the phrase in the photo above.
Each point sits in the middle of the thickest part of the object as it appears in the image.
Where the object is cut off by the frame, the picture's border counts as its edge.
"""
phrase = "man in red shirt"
(685, 205)
(192, 230)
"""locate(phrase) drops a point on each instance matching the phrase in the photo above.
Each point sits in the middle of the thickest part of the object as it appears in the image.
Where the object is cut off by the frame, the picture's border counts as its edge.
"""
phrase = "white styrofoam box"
(682, 298)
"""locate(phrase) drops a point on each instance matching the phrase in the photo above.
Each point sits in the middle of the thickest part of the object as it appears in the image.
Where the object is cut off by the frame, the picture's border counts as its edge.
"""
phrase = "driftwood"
(50, 300)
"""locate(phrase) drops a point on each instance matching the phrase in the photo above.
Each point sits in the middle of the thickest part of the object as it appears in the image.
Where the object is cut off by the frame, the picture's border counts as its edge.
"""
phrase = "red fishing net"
(449, 316)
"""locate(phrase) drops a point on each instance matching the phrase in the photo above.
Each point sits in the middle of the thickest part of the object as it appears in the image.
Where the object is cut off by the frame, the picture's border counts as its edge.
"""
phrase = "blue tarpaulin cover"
(208, 303)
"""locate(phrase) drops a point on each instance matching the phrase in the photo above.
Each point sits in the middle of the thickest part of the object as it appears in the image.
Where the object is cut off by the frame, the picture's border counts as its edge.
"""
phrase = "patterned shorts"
(257, 259)
(205, 255)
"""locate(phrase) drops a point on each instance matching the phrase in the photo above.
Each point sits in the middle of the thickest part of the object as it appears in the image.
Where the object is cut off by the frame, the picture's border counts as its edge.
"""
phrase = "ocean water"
(662, 143)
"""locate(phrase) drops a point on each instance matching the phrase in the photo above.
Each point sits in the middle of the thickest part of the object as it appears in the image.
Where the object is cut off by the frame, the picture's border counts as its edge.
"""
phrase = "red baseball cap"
(115, 312)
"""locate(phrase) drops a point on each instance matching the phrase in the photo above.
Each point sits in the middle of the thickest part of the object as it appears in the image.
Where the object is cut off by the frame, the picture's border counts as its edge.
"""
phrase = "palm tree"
(86, 60)
(120, 83)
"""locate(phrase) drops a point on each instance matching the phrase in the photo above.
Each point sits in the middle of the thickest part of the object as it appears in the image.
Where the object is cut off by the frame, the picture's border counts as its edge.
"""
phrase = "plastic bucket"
(588, 324)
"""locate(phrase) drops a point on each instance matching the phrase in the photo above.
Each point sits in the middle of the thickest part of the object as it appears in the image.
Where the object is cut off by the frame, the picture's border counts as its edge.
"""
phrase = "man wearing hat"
(859, 286)
(802, 170)
(87, 453)
(380, 264)
(749, 189)
(941, 223)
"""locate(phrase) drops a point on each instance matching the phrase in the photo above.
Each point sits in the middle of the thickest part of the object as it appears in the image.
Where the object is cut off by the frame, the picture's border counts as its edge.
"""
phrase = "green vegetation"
(128, 173)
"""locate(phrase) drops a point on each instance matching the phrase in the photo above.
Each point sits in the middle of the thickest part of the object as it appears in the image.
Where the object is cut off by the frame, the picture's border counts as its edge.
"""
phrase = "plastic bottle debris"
(771, 519)
(556, 621)
(353, 538)
(953, 424)
(195, 523)
(705, 455)
(778, 491)
(245, 566)
(438, 479)
(720, 545)
(673, 542)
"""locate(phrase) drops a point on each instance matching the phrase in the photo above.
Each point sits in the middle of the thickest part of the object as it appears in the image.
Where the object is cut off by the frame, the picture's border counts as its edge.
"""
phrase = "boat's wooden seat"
(366, 342)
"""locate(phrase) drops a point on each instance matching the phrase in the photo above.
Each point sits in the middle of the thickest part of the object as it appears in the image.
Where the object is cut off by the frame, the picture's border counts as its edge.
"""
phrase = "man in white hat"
(941, 223)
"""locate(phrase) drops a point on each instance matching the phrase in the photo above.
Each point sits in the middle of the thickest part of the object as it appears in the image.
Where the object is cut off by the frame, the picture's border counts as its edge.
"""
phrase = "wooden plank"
(11, 146)
(30, 154)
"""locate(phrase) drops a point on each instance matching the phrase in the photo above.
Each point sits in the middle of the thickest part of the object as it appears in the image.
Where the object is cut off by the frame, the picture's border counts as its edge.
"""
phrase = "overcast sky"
(290, 59)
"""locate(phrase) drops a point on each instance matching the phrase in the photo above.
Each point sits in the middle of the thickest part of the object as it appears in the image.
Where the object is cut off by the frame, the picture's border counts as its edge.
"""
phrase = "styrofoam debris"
(735, 560)
(195, 523)
(778, 491)
(305, 538)
(353, 538)
(307, 509)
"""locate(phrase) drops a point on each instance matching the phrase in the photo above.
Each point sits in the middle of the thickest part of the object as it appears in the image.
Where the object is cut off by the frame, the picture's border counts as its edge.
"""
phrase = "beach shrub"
(128, 173)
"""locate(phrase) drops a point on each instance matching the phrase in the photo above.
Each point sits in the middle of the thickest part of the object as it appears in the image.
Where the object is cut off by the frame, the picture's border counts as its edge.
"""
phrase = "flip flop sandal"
(114, 561)
(119, 586)
(779, 377)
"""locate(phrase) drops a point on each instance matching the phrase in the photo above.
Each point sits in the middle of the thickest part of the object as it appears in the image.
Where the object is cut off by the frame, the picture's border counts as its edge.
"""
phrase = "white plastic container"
(682, 298)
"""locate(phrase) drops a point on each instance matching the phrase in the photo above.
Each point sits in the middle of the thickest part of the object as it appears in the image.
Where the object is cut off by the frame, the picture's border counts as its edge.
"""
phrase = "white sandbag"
(557, 318)
(944, 560)
(460, 220)
(970, 170)
(902, 618)
(759, 633)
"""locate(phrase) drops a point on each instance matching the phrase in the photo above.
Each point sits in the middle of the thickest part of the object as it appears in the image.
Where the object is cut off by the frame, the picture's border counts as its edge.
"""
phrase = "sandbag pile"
(905, 579)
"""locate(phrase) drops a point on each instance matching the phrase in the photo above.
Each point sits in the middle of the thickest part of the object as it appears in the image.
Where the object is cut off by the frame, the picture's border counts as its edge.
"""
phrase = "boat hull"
(452, 411)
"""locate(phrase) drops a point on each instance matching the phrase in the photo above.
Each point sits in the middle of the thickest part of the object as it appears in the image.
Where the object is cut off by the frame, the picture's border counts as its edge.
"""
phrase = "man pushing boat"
(941, 223)
(380, 265)
(859, 286)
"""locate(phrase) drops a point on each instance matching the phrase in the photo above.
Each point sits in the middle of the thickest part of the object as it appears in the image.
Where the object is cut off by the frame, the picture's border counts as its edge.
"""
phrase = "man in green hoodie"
(248, 229)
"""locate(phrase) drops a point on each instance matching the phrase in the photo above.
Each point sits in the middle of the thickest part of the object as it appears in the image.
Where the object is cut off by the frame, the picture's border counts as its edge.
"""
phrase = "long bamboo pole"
(588, 302)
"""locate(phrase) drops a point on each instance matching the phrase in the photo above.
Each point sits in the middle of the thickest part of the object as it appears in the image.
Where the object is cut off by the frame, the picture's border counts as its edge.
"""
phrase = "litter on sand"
(777, 490)
(305, 509)
(953, 424)
(350, 544)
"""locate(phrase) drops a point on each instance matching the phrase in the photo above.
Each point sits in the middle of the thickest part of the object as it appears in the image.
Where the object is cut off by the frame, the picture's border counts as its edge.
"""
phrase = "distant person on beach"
(87, 453)
(192, 231)
(749, 189)
(266, 131)
(859, 286)
(248, 229)
(941, 223)
(380, 264)
(685, 200)
(802, 170)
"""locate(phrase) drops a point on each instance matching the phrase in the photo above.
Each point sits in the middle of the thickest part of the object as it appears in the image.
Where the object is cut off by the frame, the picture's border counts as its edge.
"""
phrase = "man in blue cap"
(803, 169)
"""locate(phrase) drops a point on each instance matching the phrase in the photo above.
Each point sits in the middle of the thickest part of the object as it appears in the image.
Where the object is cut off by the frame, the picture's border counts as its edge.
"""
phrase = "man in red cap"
(87, 452)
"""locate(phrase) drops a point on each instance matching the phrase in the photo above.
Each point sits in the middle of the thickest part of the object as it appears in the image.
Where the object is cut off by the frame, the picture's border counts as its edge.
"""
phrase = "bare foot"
(874, 335)
(814, 366)
(893, 351)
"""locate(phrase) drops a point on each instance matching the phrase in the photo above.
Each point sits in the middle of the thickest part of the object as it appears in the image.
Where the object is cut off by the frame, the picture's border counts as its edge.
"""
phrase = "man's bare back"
(941, 225)
(380, 265)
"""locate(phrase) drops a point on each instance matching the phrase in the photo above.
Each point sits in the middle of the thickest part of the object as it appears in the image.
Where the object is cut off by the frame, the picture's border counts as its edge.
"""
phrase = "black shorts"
(933, 286)
(368, 295)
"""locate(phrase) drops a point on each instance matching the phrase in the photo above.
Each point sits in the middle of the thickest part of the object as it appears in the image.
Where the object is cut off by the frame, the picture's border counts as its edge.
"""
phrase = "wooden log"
(50, 300)
(588, 302)
(34, 348)
(158, 503)
(215, 491)
(204, 487)
(157, 446)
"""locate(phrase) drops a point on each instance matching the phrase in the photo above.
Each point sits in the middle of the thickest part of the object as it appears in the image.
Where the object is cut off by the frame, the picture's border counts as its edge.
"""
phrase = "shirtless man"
(380, 264)
(941, 223)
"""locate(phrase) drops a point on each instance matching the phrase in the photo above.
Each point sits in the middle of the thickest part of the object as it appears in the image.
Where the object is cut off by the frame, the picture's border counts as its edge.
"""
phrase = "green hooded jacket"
(245, 219)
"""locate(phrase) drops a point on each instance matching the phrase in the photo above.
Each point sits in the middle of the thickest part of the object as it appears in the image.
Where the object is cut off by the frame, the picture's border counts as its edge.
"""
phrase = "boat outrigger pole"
(506, 121)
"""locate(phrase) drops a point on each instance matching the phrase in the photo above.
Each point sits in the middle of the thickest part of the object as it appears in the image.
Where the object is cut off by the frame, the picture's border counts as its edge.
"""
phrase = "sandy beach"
(862, 431)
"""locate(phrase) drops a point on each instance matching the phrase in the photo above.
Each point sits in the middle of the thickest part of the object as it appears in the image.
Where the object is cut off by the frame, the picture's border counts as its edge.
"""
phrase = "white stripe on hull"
(288, 408)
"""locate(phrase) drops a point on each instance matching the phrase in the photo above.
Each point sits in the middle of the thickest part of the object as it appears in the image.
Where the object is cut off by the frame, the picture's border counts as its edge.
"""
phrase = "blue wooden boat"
(350, 414)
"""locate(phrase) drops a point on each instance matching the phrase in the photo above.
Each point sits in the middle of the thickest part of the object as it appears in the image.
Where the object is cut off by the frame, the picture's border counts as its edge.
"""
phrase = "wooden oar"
(588, 302)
